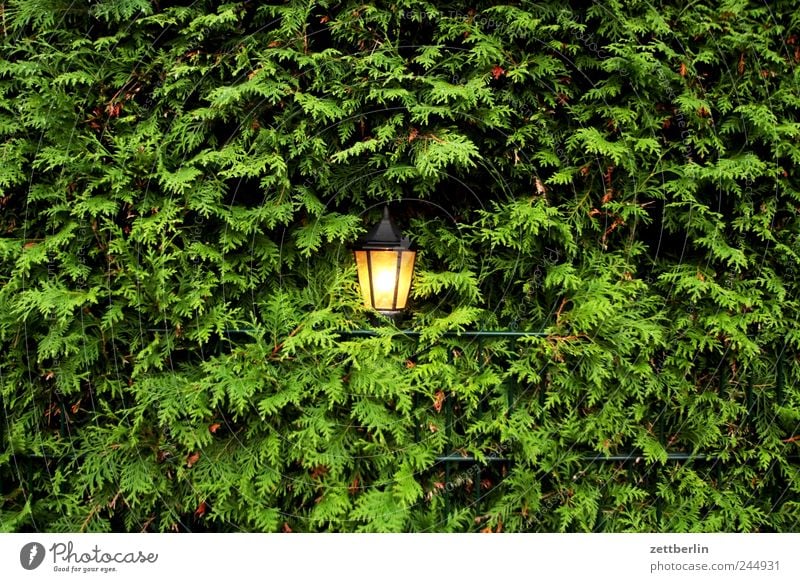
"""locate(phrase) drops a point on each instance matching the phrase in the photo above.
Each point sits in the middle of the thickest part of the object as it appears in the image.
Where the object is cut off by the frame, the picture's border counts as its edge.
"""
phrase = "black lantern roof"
(385, 235)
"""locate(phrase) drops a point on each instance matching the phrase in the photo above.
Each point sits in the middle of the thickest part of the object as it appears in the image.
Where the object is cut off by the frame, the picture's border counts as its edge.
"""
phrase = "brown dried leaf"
(113, 109)
(353, 489)
(438, 400)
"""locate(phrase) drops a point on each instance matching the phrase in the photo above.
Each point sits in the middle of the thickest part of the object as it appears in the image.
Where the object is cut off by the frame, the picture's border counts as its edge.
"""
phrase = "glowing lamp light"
(385, 263)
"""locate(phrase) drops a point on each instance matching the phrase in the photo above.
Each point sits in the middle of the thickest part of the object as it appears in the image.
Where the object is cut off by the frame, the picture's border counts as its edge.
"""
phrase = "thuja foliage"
(180, 183)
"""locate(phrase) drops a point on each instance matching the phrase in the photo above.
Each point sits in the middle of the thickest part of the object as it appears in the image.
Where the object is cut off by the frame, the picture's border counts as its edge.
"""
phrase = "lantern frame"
(385, 261)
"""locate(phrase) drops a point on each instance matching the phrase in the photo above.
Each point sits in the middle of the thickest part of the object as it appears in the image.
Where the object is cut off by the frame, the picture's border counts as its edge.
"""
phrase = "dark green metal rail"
(414, 333)
(465, 333)
(624, 457)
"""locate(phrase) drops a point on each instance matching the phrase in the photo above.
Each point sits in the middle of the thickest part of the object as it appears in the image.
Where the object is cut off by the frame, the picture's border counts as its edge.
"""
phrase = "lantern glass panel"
(404, 283)
(385, 277)
(363, 276)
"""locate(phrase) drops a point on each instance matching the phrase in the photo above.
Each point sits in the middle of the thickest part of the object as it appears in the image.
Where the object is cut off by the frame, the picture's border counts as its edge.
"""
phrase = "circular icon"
(31, 555)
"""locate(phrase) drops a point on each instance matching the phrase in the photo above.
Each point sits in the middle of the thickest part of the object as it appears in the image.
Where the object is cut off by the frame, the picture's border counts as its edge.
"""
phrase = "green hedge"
(179, 187)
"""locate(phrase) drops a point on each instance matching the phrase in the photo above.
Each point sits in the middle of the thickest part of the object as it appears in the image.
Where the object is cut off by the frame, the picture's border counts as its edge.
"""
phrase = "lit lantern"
(385, 262)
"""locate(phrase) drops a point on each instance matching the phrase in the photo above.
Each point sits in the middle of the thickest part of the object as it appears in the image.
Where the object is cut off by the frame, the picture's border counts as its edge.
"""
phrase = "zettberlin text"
(676, 549)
